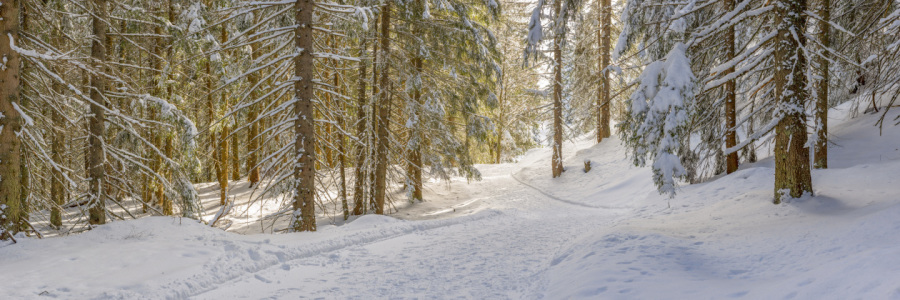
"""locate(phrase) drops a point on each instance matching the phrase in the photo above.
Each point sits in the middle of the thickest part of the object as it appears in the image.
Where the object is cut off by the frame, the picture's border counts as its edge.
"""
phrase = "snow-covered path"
(502, 255)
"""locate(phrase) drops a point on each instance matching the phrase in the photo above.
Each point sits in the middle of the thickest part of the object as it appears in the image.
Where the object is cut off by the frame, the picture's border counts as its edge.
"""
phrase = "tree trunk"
(381, 156)
(305, 139)
(97, 120)
(235, 157)
(603, 130)
(168, 139)
(342, 143)
(792, 174)
(820, 160)
(11, 122)
(556, 162)
(169, 151)
(211, 118)
(57, 187)
(731, 161)
(373, 120)
(415, 155)
(359, 206)
(498, 147)
(414, 171)
(253, 138)
(222, 157)
(24, 174)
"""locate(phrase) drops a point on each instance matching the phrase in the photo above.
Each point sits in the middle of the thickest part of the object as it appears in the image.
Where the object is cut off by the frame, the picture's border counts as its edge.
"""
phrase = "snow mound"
(372, 221)
(611, 183)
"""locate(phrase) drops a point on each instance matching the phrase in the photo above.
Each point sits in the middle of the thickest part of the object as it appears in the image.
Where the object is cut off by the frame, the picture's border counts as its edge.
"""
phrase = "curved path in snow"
(504, 254)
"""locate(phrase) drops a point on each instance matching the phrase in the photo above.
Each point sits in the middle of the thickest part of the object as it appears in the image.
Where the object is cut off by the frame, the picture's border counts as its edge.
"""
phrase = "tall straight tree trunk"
(603, 130)
(498, 147)
(213, 165)
(381, 155)
(169, 151)
(155, 187)
(147, 186)
(10, 122)
(730, 98)
(820, 160)
(235, 157)
(24, 175)
(359, 206)
(342, 146)
(556, 162)
(168, 139)
(211, 118)
(97, 120)
(414, 170)
(373, 120)
(57, 188)
(501, 118)
(222, 157)
(792, 174)
(415, 154)
(253, 138)
(305, 139)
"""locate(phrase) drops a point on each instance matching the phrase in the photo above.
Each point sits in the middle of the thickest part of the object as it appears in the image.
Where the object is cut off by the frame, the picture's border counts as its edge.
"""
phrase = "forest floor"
(519, 234)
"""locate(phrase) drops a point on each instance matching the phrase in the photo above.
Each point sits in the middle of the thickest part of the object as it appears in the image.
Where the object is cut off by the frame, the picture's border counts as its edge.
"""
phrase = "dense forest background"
(113, 110)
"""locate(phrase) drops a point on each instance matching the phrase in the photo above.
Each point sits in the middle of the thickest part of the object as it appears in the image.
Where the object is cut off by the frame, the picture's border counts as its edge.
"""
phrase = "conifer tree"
(560, 16)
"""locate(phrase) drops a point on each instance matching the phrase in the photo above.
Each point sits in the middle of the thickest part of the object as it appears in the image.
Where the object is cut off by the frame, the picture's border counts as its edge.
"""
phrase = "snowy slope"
(724, 239)
(520, 234)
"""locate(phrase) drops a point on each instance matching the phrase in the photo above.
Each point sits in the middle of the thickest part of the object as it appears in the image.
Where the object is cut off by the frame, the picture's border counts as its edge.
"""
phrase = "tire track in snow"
(224, 269)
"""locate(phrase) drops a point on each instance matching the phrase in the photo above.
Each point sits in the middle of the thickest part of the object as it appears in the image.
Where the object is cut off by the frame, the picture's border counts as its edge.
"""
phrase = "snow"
(518, 233)
(659, 116)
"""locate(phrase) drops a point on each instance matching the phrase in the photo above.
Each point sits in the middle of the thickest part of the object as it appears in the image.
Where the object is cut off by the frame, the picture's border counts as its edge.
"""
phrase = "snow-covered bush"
(656, 123)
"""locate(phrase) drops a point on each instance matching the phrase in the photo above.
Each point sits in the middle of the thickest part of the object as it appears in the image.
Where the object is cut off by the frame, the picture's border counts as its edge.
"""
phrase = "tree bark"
(97, 119)
(381, 155)
(731, 161)
(603, 130)
(359, 206)
(57, 149)
(501, 118)
(415, 155)
(373, 120)
(342, 146)
(305, 139)
(820, 160)
(222, 157)
(235, 157)
(556, 161)
(792, 174)
(253, 138)
(210, 114)
(57, 188)
(10, 122)
(414, 170)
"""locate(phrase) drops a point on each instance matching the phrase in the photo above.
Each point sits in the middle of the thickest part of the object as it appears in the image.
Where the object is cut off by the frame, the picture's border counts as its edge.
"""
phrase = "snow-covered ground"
(520, 234)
